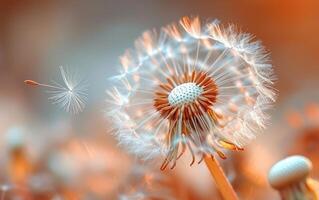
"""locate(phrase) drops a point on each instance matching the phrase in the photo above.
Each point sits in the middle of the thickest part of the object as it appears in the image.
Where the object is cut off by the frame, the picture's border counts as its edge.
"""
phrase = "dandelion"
(71, 96)
(290, 177)
(192, 86)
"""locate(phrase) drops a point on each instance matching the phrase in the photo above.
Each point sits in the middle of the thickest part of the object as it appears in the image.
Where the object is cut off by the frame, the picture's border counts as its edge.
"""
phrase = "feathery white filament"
(72, 95)
(238, 65)
(184, 93)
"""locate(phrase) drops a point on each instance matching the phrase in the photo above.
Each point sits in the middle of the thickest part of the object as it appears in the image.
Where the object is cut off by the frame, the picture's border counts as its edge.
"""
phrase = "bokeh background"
(49, 154)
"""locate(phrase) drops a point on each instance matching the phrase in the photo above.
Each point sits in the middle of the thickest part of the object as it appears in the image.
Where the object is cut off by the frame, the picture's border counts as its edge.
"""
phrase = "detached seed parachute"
(71, 95)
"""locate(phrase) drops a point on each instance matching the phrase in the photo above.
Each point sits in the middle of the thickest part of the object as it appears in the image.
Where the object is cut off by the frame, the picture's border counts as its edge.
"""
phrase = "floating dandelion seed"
(201, 87)
(71, 96)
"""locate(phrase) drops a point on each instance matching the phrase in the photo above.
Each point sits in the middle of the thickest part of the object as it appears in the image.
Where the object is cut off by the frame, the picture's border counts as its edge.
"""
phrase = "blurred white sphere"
(288, 171)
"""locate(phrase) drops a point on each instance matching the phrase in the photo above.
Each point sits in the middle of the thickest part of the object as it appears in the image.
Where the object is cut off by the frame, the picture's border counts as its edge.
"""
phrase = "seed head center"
(184, 94)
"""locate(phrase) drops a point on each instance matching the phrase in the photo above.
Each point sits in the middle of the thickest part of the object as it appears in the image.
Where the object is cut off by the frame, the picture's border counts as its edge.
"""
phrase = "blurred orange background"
(38, 36)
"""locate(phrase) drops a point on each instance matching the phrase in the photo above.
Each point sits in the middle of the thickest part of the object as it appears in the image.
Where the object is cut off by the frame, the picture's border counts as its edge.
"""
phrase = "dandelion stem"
(223, 185)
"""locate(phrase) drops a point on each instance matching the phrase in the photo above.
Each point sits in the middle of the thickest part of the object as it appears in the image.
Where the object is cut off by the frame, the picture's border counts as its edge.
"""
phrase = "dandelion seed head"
(197, 86)
(184, 93)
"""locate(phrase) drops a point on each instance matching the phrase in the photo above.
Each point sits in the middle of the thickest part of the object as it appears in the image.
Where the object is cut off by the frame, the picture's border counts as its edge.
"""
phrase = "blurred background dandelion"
(47, 153)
